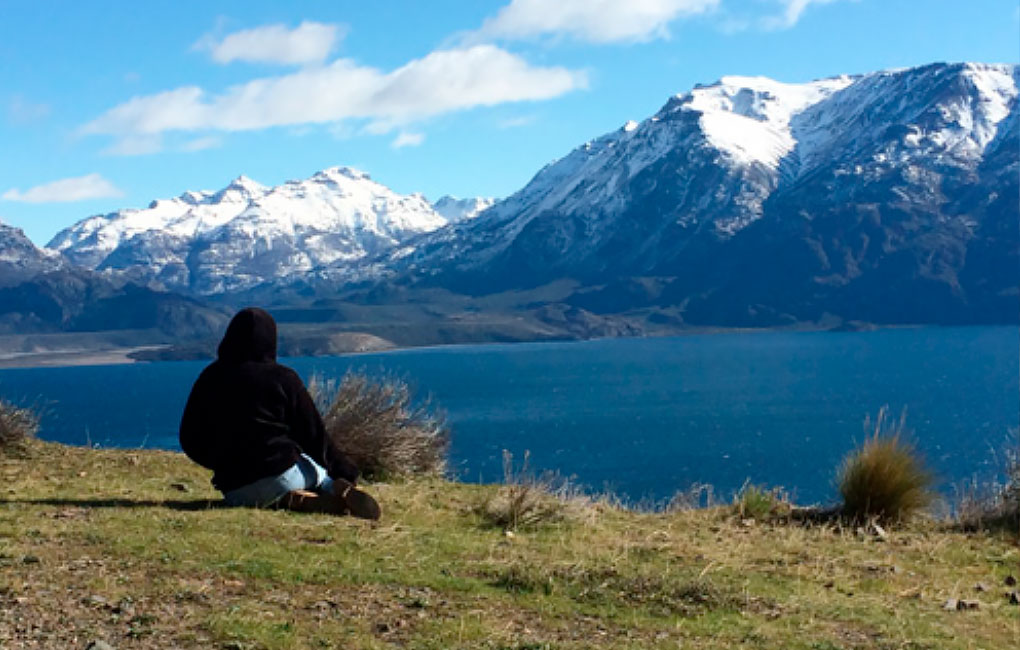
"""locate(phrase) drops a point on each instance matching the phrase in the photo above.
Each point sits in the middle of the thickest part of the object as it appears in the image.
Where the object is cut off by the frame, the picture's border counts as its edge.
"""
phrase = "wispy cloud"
(141, 144)
(22, 111)
(516, 122)
(407, 139)
(201, 144)
(792, 10)
(80, 188)
(594, 21)
(309, 42)
(441, 82)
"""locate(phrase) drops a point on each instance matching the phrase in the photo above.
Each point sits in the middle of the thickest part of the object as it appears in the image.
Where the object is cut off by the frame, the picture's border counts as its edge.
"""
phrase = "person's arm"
(308, 431)
(194, 434)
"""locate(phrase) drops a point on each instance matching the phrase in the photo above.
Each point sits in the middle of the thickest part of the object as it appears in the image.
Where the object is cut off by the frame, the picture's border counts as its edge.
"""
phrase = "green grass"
(130, 547)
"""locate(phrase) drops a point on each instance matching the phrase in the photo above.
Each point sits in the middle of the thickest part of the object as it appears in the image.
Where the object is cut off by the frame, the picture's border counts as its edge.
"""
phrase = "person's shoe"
(307, 501)
(359, 504)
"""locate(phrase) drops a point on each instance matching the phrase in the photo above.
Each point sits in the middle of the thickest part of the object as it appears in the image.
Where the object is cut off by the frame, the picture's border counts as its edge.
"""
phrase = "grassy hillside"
(130, 547)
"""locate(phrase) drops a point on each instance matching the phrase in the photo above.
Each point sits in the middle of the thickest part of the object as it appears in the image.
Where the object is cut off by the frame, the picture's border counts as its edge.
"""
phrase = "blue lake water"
(643, 417)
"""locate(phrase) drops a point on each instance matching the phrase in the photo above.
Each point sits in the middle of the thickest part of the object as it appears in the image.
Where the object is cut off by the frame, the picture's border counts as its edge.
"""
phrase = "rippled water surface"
(643, 417)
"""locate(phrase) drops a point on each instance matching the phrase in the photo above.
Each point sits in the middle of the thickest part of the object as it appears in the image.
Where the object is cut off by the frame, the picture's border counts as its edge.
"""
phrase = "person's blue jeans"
(305, 474)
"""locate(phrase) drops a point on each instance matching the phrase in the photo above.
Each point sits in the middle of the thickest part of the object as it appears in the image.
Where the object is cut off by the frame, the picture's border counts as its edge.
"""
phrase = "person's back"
(251, 421)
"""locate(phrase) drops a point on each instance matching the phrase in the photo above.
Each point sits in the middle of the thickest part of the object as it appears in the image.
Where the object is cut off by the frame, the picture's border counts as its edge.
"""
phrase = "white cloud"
(23, 111)
(201, 144)
(135, 145)
(791, 13)
(441, 82)
(309, 42)
(595, 21)
(516, 122)
(80, 188)
(407, 139)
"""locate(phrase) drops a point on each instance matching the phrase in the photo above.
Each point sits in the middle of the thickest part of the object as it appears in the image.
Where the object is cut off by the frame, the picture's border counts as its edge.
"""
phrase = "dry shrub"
(761, 503)
(17, 425)
(526, 499)
(380, 425)
(995, 503)
(695, 497)
(884, 478)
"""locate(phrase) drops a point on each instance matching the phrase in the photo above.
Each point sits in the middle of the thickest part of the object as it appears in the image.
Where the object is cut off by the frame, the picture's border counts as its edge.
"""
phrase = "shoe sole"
(359, 504)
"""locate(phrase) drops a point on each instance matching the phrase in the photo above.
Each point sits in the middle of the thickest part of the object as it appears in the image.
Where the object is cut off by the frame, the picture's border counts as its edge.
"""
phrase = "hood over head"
(251, 336)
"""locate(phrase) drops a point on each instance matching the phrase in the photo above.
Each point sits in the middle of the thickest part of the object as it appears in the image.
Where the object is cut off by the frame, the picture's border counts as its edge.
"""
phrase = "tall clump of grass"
(527, 499)
(378, 423)
(17, 426)
(696, 496)
(884, 479)
(995, 503)
(761, 504)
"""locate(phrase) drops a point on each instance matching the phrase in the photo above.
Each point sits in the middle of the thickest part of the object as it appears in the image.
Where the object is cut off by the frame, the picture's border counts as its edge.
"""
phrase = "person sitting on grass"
(252, 422)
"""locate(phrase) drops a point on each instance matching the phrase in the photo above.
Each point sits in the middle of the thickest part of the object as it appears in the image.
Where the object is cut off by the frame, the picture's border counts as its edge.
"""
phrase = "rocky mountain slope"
(21, 260)
(40, 291)
(889, 197)
(247, 234)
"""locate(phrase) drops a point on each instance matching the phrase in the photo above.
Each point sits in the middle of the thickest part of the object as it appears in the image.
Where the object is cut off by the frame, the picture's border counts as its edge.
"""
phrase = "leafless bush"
(994, 503)
(17, 425)
(526, 499)
(698, 495)
(380, 425)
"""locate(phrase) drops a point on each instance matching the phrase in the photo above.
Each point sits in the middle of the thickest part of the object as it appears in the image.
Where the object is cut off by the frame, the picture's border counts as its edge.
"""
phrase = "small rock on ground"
(99, 644)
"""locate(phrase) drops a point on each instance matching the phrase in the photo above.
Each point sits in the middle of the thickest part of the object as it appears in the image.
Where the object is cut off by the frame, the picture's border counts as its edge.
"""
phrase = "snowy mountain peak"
(247, 233)
(711, 159)
(338, 173)
(761, 98)
(454, 210)
(240, 190)
(20, 259)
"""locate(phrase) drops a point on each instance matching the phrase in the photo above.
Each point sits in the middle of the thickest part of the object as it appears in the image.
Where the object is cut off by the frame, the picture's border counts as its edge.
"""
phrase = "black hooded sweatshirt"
(248, 417)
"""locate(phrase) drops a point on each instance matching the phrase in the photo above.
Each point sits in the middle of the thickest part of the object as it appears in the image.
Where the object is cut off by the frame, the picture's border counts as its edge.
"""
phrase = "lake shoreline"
(71, 358)
(57, 358)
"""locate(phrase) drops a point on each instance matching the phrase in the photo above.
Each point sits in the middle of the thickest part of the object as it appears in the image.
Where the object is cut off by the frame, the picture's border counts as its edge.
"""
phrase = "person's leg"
(337, 496)
(306, 487)
(268, 491)
(316, 491)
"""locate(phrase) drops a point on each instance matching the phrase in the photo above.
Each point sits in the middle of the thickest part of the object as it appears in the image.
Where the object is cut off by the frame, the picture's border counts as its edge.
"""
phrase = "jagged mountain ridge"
(41, 291)
(889, 197)
(247, 234)
(753, 202)
(21, 260)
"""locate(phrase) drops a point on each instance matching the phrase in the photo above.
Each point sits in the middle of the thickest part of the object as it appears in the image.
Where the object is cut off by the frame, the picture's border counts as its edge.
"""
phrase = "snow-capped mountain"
(40, 291)
(454, 210)
(247, 233)
(753, 201)
(21, 260)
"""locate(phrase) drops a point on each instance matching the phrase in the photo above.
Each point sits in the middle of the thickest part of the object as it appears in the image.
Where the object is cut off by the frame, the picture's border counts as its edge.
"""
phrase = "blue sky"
(110, 104)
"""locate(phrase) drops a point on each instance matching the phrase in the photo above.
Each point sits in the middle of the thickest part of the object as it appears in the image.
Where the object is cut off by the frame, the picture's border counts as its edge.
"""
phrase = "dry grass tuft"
(526, 499)
(762, 504)
(697, 496)
(380, 425)
(17, 425)
(884, 479)
(994, 504)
